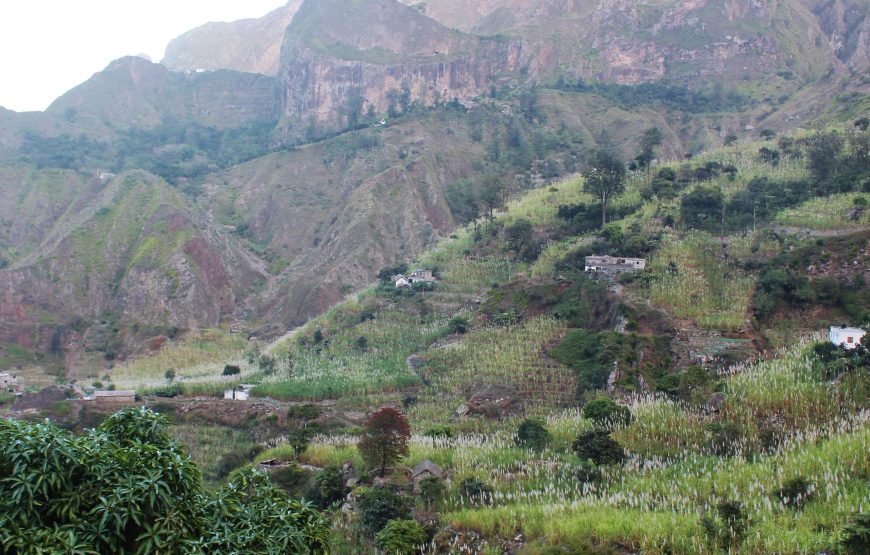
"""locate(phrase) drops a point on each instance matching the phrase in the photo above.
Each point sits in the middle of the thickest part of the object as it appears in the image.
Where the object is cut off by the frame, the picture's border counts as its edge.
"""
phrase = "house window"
(850, 340)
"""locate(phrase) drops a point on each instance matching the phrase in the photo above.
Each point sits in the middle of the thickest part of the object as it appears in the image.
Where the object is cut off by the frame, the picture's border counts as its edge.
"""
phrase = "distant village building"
(845, 336)
(119, 397)
(11, 383)
(613, 265)
(419, 275)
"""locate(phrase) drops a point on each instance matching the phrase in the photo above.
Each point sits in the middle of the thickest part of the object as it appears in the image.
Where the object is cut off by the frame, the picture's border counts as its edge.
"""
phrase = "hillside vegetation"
(704, 437)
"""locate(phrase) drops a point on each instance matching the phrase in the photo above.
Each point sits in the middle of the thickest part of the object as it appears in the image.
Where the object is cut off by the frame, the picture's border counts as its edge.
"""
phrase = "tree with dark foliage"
(385, 439)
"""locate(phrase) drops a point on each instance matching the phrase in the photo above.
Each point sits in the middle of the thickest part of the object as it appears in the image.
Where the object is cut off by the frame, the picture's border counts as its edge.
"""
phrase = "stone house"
(425, 469)
(613, 265)
(844, 336)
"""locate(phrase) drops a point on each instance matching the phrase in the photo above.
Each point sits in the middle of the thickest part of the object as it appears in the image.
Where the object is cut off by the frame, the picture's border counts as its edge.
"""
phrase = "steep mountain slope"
(847, 26)
(249, 45)
(133, 92)
(134, 252)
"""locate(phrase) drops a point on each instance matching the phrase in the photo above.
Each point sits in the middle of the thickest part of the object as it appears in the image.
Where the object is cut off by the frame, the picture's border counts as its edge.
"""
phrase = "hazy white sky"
(49, 46)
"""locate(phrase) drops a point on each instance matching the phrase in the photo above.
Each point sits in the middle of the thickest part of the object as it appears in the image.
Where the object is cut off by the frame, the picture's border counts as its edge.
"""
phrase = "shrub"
(457, 325)
(432, 490)
(439, 431)
(727, 438)
(234, 459)
(378, 506)
(231, 370)
(477, 491)
(606, 413)
(856, 535)
(328, 487)
(306, 412)
(401, 537)
(598, 447)
(795, 492)
(289, 478)
(532, 434)
(727, 528)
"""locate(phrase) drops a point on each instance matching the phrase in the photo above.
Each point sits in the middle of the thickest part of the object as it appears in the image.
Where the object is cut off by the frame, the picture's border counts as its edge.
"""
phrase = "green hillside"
(743, 432)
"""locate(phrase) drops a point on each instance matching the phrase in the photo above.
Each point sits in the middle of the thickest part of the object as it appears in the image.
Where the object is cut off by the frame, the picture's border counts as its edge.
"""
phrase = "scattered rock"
(495, 401)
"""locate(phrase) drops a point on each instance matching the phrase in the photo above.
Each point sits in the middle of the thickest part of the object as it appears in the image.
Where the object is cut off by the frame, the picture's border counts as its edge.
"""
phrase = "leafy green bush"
(476, 491)
(726, 528)
(378, 506)
(235, 459)
(457, 325)
(532, 434)
(432, 490)
(306, 412)
(231, 370)
(328, 487)
(795, 492)
(606, 413)
(401, 537)
(598, 447)
(856, 535)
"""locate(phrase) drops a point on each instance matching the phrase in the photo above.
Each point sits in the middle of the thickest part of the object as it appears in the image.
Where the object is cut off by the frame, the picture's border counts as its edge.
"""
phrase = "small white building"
(614, 265)
(417, 276)
(845, 336)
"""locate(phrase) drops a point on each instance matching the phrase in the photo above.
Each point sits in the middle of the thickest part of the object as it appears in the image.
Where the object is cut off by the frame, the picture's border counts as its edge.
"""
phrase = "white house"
(845, 336)
(613, 265)
(401, 281)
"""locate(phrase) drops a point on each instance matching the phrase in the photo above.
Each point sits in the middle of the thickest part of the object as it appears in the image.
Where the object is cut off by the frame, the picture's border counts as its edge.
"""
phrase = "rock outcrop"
(370, 52)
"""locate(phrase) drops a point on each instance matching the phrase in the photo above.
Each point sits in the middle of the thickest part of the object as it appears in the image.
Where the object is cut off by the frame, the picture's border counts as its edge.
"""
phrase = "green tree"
(401, 537)
(299, 440)
(856, 535)
(385, 438)
(169, 375)
(491, 195)
(231, 370)
(606, 413)
(127, 488)
(702, 208)
(605, 179)
(823, 154)
(649, 142)
(598, 447)
(532, 434)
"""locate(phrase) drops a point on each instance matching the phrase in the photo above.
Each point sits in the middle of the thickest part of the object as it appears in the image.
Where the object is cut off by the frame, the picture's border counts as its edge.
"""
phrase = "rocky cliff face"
(336, 52)
(846, 24)
(249, 45)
